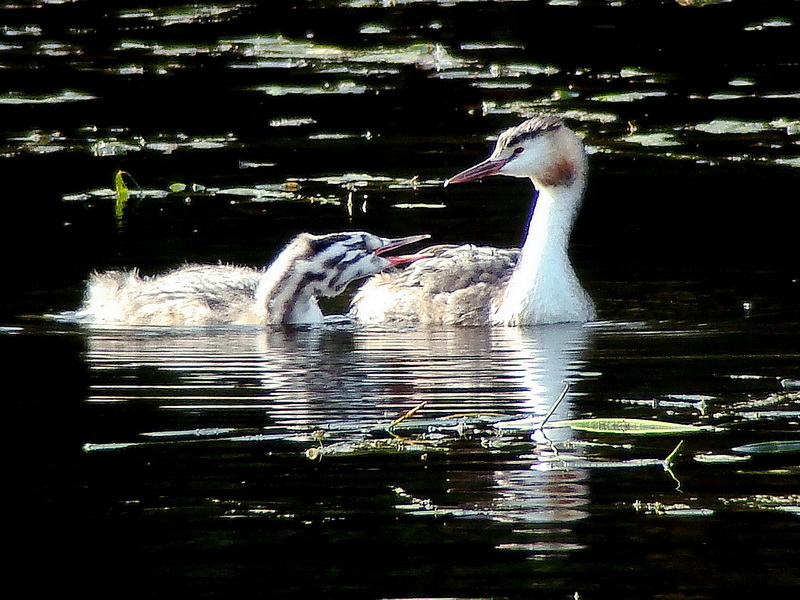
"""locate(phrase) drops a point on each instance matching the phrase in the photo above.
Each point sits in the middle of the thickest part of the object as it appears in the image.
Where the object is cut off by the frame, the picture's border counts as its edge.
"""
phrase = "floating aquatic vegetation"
(335, 136)
(292, 122)
(768, 23)
(114, 142)
(359, 181)
(530, 69)
(754, 405)
(494, 84)
(562, 463)
(280, 52)
(341, 87)
(790, 384)
(728, 96)
(632, 72)
(89, 447)
(698, 3)
(110, 194)
(789, 503)
(629, 96)
(57, 49)
(371, 448)
(671, 510)
(409, 433)
(22, 30)
(113, 148)
(121, 195)
(192, 433)
(527, 108)
(60, 97)
(287, 192)
(490, 46)
(718, 459)
(629, 426)
(418, 205)
(732, 126)
(374, 29)
(772, 447)
(248, 164)
(183, 15)
(193, 436)
(652, 139)
(792, 126)
(671, 404)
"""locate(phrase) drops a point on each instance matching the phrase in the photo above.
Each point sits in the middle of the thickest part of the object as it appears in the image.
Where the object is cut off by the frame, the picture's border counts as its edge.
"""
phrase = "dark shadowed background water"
(247, 463)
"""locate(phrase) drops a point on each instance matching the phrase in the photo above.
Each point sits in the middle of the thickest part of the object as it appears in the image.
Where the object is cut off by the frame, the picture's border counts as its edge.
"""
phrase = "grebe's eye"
(518, 150)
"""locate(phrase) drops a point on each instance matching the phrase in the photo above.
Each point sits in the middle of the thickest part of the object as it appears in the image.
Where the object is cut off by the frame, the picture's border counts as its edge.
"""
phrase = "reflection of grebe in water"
(471, 285)
(286, 291)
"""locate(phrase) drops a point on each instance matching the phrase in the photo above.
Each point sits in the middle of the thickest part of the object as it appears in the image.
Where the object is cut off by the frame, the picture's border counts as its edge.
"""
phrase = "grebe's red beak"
(482, 169)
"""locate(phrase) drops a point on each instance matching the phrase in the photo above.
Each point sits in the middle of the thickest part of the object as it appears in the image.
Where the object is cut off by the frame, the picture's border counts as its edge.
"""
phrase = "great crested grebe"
(474, 285)
(285, 292)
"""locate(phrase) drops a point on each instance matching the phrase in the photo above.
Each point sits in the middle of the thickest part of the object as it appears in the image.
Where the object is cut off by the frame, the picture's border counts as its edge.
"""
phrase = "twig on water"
(553, 408)
(407, 415)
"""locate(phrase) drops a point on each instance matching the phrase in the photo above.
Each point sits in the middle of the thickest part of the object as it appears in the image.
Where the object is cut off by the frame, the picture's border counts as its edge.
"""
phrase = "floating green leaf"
(121, 194)
(775, 447)
(628, 426)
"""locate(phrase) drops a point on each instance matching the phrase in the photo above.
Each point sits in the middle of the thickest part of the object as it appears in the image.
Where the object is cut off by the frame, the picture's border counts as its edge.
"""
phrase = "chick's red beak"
(406, 258)
(391, 244)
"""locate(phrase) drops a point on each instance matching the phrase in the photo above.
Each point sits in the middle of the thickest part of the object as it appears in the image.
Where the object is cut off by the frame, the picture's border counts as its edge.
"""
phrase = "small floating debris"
(720, 459)
(789, 503)
(418, 205)
(790, 384)
(653, 139)
(292, 122)
(628, 96)
(371, 448)
(192, 433)
(671, 510)
(65, 96)
(110, 446)
(769, 23)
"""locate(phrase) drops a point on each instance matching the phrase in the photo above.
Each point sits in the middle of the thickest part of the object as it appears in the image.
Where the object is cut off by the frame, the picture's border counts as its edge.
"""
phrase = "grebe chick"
(286, 291)
(473, 285)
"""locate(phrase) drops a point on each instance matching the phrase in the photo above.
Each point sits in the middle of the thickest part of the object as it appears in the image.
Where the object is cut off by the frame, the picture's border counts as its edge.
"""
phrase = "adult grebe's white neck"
(543, 287)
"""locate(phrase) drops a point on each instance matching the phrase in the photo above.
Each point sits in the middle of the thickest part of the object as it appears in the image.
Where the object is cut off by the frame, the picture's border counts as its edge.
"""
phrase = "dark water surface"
(247, 463)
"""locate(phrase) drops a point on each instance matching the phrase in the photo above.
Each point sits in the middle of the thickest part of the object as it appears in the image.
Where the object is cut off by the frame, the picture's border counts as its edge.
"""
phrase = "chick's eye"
(518, 150)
